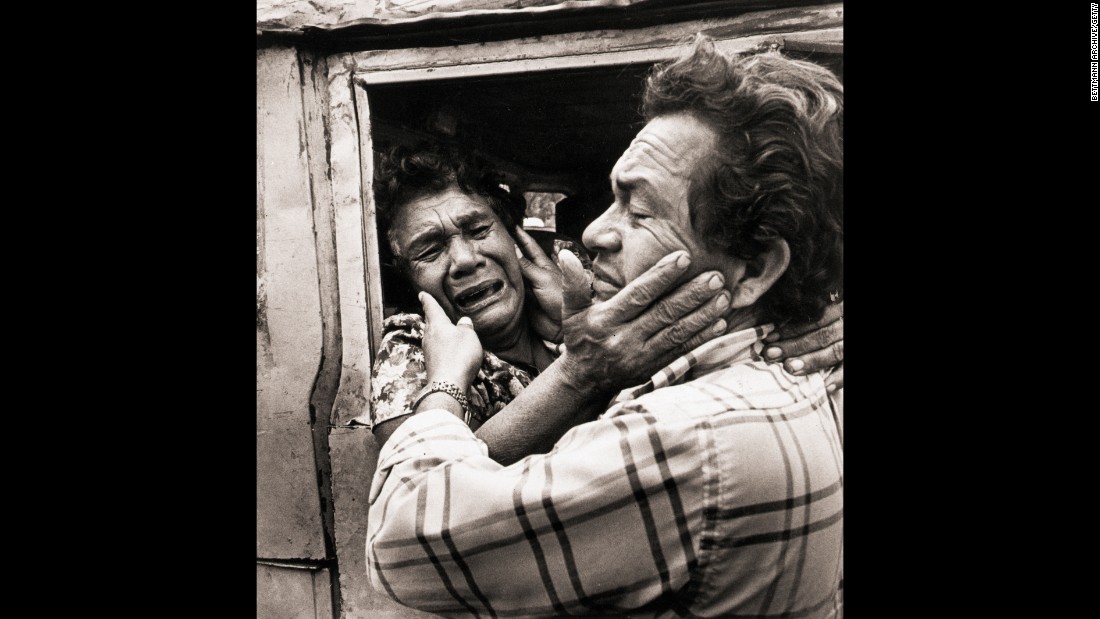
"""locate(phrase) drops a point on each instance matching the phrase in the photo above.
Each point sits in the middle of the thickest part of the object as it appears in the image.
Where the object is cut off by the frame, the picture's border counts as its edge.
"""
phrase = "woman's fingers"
(817, 360)
(822, 339)
(451, 353)
(835, 379)
(433, 313)
(834, 312)
(532, 251)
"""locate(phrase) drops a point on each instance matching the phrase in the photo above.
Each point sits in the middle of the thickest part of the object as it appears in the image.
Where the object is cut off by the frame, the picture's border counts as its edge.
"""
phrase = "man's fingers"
(818, 340)
(532, 251)
(433, 313)
(834, 312)
(670, 311)
(689, 332)
(648, 287)
(576, 283)
(534, 264)
(816, 361)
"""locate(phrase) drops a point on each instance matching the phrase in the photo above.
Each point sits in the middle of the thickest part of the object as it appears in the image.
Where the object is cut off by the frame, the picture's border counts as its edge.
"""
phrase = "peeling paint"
(263, 332)
(299, 15)
(351, 400)
(261, 306)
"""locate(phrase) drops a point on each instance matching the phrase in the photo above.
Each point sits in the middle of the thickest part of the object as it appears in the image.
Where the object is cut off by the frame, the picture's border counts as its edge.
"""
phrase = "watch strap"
(451, 389)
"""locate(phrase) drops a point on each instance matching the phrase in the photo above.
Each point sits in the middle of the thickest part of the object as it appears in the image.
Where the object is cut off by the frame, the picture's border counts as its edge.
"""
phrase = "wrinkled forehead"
(671, 144)
(435, 213)
(442, 210)
(450, 203)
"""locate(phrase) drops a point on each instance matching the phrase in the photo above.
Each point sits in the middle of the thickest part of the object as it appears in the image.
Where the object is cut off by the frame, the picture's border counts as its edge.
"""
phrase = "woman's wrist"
(441, 400)
(442, 394)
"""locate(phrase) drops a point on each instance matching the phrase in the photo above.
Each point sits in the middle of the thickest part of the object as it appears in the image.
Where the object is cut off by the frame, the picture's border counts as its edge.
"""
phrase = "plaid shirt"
(713, 489)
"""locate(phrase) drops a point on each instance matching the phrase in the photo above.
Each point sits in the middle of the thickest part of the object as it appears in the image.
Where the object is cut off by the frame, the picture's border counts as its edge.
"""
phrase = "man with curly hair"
(715, 488)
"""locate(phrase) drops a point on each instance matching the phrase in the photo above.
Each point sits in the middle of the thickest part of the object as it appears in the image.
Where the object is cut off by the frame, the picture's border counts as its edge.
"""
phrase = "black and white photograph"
(549, 308)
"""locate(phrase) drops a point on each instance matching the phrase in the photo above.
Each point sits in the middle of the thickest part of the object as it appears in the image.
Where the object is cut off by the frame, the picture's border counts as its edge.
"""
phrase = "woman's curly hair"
(779, 169)
(404, 174)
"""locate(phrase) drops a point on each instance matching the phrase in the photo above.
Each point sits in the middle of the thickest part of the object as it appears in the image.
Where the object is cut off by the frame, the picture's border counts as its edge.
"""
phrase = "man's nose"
(465, 258)
(601, 235)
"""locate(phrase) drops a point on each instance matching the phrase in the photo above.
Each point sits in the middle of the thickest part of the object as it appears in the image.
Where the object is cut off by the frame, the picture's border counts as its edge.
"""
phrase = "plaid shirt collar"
(721, 352)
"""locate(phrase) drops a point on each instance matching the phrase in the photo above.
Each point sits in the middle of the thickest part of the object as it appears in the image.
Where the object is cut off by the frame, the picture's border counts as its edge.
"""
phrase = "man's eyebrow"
(639, 185)
(626, 185)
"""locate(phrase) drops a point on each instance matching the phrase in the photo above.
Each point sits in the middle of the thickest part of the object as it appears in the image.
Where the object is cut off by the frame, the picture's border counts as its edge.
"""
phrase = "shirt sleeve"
(397, 375)
(609, 520)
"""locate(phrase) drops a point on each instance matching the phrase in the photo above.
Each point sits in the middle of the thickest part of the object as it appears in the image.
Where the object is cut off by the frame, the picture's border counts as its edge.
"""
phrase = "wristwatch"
(442, 386)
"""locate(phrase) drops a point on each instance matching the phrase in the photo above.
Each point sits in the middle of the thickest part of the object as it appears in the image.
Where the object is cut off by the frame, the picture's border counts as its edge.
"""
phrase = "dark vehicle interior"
(555, 135)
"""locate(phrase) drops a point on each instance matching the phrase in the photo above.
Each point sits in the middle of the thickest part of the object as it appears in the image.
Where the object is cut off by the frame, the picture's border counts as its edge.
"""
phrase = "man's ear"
(762, 272)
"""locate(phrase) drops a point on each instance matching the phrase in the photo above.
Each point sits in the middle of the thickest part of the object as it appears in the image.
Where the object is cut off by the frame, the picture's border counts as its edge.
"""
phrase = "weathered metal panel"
(370, 223)
(292, 593)
(274, 15)
(354, 456)
(301, 15)
(353, 226)
(287, 15)
(315, 108)
(288, 334)
(353, 451)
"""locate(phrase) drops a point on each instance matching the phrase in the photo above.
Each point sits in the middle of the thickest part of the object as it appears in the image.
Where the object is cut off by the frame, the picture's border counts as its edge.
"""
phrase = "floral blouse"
(399, 373)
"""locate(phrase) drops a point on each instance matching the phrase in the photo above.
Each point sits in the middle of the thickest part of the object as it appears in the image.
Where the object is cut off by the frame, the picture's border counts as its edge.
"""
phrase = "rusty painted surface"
(291, 593)
(289, 335)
